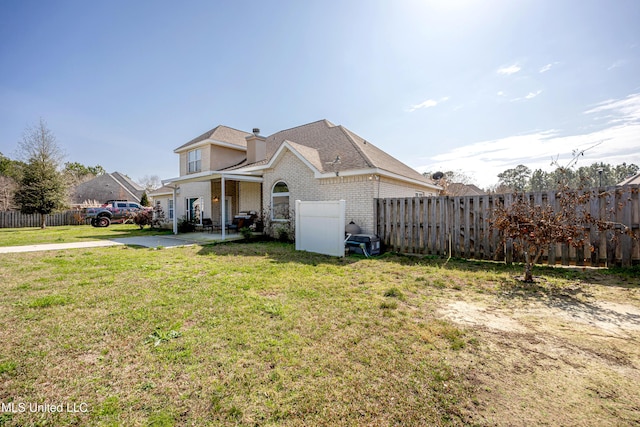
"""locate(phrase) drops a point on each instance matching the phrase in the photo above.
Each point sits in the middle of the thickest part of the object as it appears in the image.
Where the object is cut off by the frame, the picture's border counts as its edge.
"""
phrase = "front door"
(194, 208)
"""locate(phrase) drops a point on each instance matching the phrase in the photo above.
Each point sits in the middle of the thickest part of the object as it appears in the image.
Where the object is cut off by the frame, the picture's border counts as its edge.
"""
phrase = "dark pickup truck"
(115, 211)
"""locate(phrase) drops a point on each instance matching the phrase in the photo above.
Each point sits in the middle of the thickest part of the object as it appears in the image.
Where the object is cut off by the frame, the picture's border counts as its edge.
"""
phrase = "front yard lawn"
(261, 335)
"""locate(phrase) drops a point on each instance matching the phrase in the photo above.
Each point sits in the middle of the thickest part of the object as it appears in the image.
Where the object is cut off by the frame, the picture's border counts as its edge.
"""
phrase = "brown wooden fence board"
(437, 225)
(16, 219)
(625, 240)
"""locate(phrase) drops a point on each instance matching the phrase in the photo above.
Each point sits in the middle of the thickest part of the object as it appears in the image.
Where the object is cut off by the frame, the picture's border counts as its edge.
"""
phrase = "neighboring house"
(635, 179)
(226, 171)
(458, 189)
(163, 196)
(109, 186)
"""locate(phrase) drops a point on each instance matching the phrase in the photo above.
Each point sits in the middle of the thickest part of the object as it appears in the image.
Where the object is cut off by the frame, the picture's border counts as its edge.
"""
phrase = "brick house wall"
(298, 177)
(358, 191)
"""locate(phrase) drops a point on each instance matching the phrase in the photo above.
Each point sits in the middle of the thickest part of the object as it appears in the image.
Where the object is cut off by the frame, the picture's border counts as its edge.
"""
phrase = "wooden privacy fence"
(16, 219)
(459, 226)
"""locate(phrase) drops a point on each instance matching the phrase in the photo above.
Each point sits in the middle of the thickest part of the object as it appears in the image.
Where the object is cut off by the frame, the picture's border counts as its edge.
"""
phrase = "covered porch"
(215, 198)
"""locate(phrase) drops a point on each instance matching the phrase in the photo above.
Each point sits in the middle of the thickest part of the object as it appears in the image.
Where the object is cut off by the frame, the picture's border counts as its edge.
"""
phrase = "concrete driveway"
(145, 241)
(166, 241)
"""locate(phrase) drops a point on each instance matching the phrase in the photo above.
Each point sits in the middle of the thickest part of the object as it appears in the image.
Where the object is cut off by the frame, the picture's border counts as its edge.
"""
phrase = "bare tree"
(41, 189)
(39, 145)
(8, 188)
(533, 228)
(150, 182)
(453, 183)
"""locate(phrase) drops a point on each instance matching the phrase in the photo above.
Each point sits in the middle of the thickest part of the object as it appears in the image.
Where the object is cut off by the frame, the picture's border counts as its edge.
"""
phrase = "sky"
(475, 86)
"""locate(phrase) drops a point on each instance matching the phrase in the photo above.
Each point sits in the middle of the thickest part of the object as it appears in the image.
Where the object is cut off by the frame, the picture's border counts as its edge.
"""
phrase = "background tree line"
(38, 182)
(523, 179)
(598, 174)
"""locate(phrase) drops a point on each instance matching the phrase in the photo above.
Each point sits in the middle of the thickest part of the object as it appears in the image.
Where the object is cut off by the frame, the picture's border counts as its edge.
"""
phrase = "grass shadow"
(278, 252)
(285, 253)
(628, 278)
(124, 233)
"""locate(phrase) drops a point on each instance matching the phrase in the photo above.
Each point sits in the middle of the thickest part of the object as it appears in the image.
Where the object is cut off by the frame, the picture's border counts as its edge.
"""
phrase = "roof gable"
(223, 134)
(109, 186)
(331, 148)
(128, 183)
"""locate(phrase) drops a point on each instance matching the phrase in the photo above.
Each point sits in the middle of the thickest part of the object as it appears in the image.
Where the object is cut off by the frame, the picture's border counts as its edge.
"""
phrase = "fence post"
(611, 209)
(625, 240)
(594, 233)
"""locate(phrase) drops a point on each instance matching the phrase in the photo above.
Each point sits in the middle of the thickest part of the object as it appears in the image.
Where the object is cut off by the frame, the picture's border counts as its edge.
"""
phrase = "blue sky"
(476, 86)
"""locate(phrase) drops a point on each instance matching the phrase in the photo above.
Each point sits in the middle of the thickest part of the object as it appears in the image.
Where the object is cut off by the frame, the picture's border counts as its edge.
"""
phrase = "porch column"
(223, 208)
(175, 209)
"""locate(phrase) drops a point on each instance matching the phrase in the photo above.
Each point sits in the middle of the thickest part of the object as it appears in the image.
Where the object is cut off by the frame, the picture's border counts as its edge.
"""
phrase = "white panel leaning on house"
(320, 226)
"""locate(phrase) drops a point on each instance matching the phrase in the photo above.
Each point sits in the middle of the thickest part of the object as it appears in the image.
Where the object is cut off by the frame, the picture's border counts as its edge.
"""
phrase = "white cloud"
(500, 93)
(511, 69)
(618, 110)
(532, 95)
(546, 68)
(619, 142)
(617, 64)
(427, 104)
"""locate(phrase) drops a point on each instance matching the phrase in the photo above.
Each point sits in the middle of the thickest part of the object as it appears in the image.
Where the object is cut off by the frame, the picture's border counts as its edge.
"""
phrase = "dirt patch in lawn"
(615, 319)
(552, 361)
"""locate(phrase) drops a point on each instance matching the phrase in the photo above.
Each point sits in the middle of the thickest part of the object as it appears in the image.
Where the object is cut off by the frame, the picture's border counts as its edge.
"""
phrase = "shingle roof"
(109, 186)
(459, 189)
(322, 142)
(160, 191)
(128, 183)
(635, 179)
(223, 134)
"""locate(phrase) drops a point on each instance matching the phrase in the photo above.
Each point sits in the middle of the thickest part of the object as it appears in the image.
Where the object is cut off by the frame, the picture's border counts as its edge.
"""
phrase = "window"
(170, 206)
(419, 193)
(194, 161)
(280, 201)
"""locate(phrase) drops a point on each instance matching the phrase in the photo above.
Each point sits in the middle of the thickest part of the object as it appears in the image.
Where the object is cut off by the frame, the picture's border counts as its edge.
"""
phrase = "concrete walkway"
(56, 246)
(165, 241)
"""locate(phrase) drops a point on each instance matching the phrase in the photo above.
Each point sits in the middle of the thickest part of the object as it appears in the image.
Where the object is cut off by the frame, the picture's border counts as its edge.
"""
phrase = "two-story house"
(225, 171)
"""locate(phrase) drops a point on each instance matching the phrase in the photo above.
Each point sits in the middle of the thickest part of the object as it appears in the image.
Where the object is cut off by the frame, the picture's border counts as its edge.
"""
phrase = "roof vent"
(256, 131)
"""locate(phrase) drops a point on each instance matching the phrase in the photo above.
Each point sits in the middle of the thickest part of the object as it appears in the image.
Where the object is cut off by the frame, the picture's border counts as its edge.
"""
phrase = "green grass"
(71, 233)
(245, 334)
(237, 334)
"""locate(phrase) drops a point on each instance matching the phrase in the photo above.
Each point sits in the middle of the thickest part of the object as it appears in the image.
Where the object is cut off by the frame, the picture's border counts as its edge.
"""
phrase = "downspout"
(223, 207)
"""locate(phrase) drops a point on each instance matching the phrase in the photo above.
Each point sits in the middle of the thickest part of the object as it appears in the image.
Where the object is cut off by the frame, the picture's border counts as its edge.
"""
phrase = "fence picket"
(460, 225)
(16, 219)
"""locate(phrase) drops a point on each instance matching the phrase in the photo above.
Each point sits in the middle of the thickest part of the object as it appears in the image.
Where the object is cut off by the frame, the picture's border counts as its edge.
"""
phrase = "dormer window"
(194, 161)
